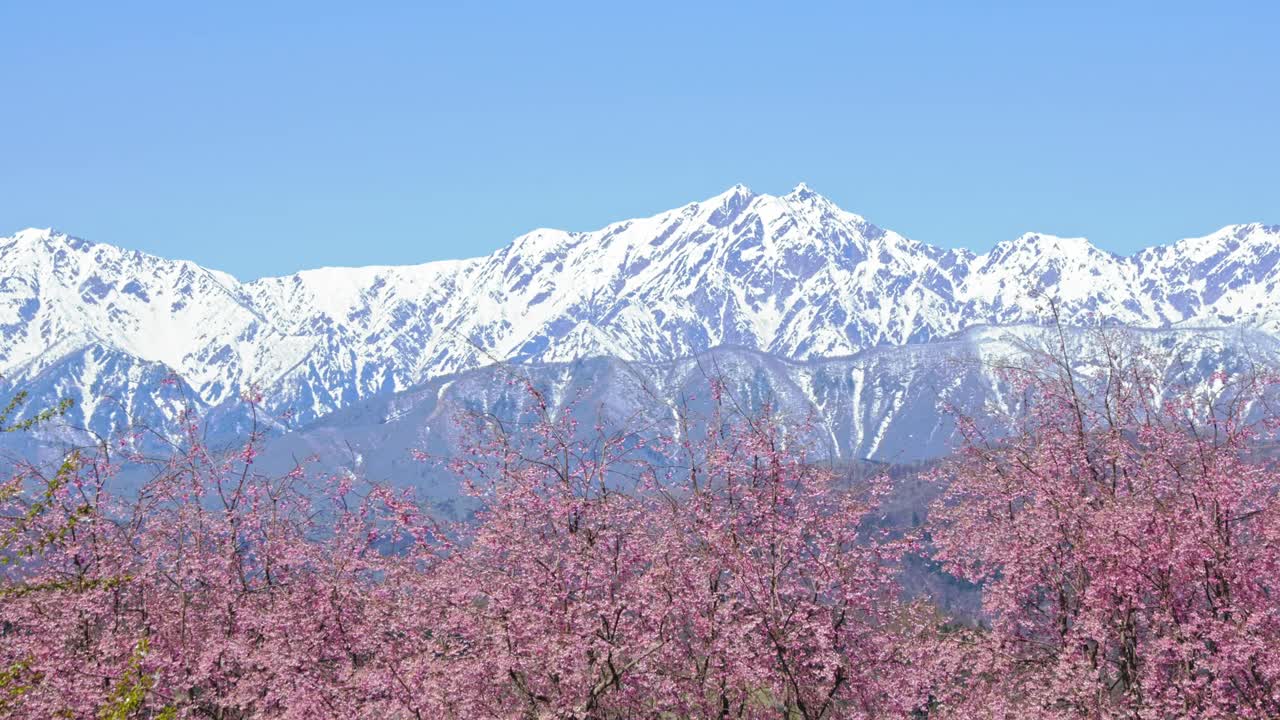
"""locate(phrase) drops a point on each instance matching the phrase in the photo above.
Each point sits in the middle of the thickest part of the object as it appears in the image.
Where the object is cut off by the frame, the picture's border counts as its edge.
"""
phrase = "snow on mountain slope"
(1228, 278)
(1010, 283)
(60, 294)
(883, 405)
(793, 275)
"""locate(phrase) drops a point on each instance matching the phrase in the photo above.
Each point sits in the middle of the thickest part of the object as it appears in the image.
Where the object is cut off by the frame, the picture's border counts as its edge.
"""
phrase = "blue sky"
(260, 138)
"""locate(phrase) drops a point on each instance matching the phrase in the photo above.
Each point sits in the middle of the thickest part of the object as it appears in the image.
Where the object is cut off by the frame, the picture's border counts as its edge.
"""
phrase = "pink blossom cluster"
(1127, 545)
(1127, 540)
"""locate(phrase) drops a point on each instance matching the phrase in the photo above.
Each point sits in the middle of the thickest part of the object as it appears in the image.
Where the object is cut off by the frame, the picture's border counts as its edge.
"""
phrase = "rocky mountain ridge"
(792, 276)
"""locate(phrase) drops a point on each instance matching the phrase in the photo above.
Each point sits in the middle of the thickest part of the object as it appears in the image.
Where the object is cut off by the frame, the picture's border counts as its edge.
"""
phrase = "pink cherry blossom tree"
(726, 580)
(214, 592)
(606, 577)
(1127, 538)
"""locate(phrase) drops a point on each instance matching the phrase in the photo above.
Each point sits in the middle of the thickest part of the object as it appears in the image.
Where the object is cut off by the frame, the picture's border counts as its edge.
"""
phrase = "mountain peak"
(802, 191)
(33, 234)
(736, 193)
(46, 238)
(1255, 228)
(1044, 242)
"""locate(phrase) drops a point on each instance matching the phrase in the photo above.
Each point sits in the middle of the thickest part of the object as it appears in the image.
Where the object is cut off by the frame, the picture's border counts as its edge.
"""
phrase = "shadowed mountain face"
(792, 276)
(888, 408)
(891, 406)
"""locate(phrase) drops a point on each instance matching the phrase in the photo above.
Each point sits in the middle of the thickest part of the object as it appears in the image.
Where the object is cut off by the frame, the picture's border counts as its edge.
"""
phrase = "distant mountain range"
(849, 318)
(882, 406)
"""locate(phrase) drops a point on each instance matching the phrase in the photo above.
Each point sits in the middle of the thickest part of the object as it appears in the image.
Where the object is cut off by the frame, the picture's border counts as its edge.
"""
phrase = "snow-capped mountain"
(793, 276)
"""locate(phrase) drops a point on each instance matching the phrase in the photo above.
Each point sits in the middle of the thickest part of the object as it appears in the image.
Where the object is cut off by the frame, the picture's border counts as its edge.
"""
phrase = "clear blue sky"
(261, 138)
